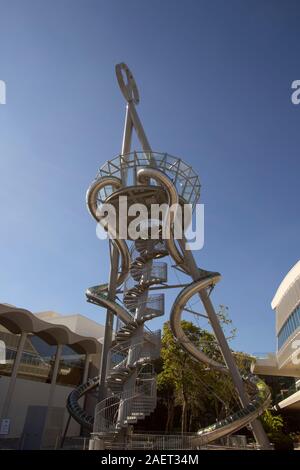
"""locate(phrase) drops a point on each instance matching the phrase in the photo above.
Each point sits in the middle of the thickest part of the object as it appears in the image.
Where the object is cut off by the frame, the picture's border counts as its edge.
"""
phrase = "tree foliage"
(274, 426)
(203, 395)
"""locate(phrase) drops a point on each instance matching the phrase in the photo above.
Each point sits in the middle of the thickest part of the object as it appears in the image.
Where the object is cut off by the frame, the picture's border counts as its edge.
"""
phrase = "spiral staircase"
(153, 178)
(131, 380)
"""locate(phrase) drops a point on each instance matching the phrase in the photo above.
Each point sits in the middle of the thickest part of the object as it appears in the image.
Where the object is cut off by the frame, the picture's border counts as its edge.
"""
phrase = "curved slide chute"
(131, 324)
(99, 296)
(259, 394)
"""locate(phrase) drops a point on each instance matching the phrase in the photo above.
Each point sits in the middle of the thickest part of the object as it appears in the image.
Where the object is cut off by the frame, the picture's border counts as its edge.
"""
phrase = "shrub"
(273, 425)
(281, 441)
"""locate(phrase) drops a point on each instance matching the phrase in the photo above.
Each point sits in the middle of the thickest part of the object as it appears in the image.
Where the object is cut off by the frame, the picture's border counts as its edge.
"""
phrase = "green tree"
(203, 395)
(271, 422)
(274, 426)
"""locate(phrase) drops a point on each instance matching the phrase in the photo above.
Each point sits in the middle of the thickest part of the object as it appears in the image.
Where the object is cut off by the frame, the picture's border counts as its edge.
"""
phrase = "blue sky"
(215, 83)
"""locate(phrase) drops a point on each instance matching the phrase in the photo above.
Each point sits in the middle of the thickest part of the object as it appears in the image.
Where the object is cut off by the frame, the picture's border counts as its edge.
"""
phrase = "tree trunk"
(184, 415)
(216, 410)
(190, 420)
(170, 418)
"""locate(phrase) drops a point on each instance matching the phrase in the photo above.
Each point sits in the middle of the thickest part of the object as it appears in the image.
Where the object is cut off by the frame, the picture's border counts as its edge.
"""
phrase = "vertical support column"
(126, 144)
(139, 128)
(112, 286)
(51, 392)
(13, 378)
(84, 379)
(131, 95)
(54, 375)
(86, 368)
(256, 425)
(114, 264)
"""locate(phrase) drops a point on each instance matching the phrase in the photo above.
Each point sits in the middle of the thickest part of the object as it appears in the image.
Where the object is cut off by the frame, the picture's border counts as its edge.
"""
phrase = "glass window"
(293, 320)
(289, 327)
(298, 317)
(71, 367)
(10, 342)
(38, 359)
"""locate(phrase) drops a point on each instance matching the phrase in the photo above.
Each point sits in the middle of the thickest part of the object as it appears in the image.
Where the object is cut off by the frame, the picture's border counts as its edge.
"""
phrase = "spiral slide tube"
(134, 392)
(260, 396)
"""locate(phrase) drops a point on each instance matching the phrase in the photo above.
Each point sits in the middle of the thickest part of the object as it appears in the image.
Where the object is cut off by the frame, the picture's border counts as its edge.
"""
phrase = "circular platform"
(125, 167)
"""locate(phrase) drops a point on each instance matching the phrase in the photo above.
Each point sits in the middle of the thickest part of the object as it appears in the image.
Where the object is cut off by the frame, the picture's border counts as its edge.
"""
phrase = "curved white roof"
(285, 284)
(17, 320)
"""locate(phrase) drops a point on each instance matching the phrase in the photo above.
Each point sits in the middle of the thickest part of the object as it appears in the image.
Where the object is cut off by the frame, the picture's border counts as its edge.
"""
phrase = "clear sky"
(215, 83)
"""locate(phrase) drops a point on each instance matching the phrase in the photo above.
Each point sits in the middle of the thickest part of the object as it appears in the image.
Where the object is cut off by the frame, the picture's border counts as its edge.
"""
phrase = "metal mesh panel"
(181, 174)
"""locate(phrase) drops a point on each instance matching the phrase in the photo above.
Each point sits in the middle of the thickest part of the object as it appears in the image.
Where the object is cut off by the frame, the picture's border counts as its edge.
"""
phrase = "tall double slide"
(130, 380)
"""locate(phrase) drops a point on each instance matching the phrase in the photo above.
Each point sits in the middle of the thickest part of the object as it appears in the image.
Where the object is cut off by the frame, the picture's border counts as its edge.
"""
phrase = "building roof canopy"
(18, 320)
(285, 284)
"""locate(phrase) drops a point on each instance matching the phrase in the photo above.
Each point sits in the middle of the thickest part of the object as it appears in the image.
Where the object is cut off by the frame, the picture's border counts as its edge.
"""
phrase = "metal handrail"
(107, 405)
(181, 174)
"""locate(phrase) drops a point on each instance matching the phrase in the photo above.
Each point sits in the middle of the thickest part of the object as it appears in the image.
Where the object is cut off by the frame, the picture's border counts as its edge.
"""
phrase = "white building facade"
(286, 360)
(43, 357)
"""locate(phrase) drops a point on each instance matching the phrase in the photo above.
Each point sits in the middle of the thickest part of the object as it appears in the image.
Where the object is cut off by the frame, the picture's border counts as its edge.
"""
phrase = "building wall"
(288, 319)
(289, 302)
(77, 323)
(36, 367)
(28, 392)
(286, 304)
(289, 354)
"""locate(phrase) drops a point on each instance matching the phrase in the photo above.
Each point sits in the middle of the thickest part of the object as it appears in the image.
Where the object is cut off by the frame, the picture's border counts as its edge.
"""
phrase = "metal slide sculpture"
(130, 381)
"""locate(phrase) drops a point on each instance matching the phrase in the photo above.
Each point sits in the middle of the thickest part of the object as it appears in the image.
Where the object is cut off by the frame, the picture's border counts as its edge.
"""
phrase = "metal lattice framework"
(182, 175)
(127, 382)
